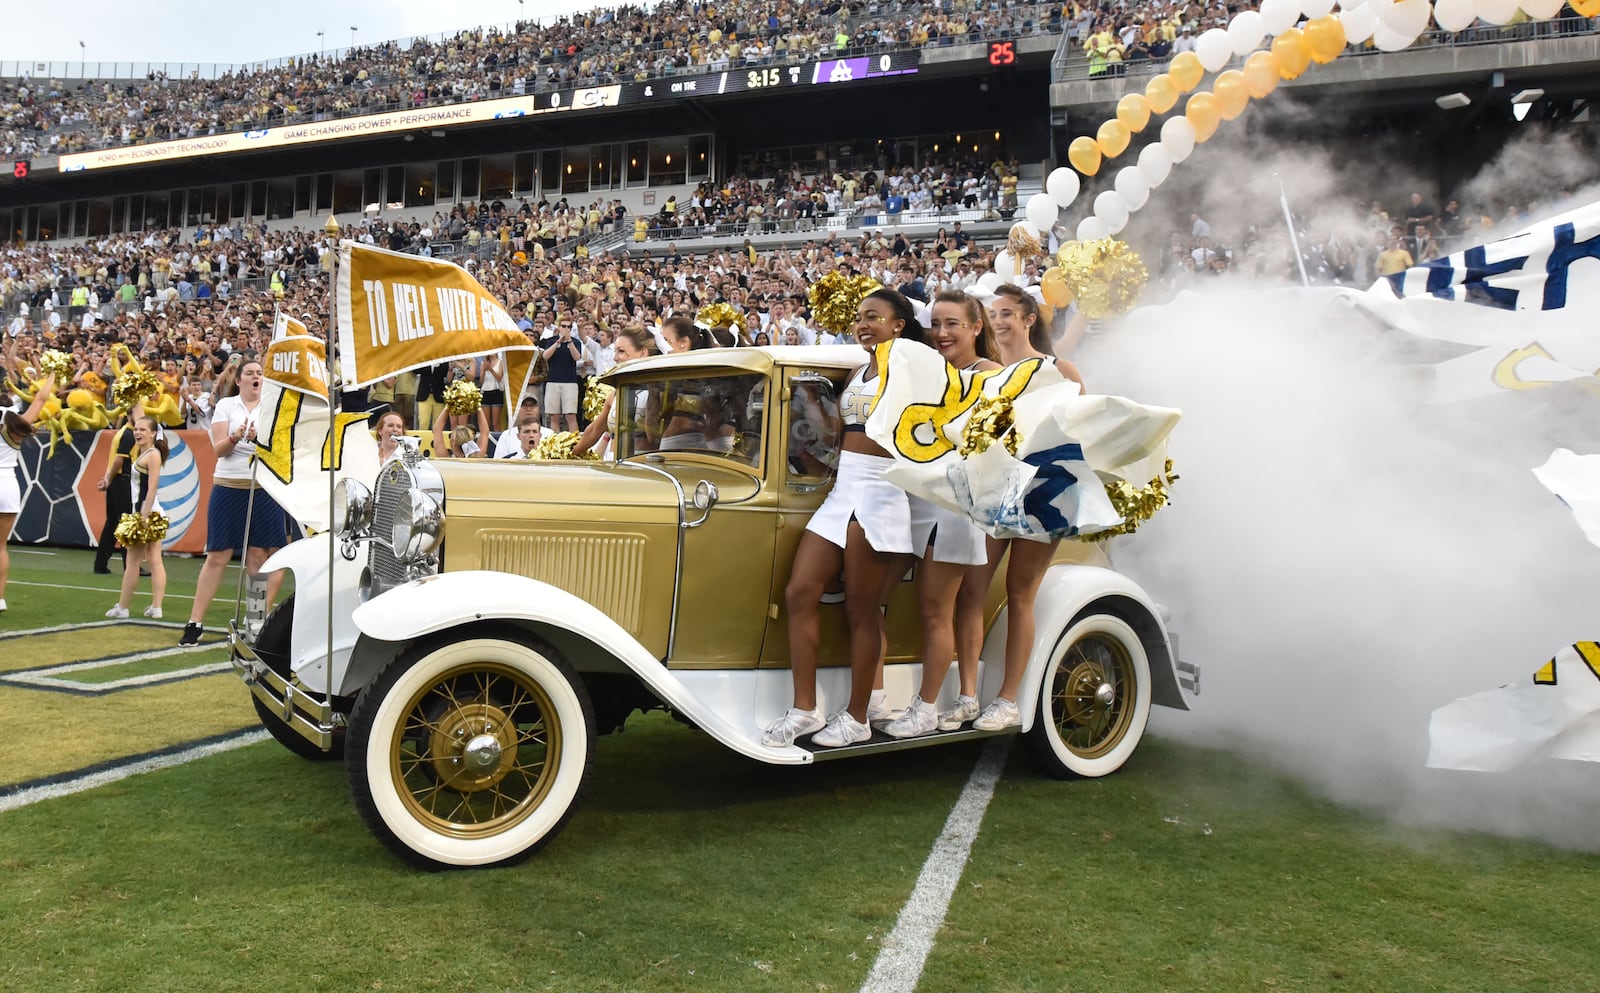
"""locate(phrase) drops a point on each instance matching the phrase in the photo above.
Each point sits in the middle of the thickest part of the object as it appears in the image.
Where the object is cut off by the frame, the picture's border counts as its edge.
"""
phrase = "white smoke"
(1342, 558)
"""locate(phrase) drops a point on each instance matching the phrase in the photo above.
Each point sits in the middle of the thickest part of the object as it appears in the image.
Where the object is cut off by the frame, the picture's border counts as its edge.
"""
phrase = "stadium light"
(1453, 101)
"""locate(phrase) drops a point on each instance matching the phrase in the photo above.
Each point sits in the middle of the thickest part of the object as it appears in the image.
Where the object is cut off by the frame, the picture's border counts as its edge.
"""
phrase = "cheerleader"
(14, 430)
(1020, 334)
(959, 328)
(150, 454)
(866, 526)
(630, 344)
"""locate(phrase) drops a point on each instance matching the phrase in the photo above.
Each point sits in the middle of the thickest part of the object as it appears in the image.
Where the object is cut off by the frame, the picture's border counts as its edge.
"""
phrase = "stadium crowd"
(606, 45)
(184, 302)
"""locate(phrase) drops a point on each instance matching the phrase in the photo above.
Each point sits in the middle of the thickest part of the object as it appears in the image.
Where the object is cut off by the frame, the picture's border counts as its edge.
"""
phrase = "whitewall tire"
(1094, 699)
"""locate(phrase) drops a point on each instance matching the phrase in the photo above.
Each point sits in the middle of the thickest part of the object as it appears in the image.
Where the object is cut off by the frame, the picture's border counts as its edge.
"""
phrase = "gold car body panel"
(607, 534)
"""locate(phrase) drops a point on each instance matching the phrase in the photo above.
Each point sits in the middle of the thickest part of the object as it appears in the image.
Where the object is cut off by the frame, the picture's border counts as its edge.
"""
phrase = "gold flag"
(399, 312)
(296, 360)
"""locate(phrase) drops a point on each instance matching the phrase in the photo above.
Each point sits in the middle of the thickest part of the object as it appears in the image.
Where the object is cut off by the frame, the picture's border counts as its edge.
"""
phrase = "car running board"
(880, 742)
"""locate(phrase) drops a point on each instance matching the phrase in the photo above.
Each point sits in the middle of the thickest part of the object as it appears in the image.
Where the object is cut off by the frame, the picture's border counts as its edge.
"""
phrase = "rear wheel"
(1094, 699)
(470, 752)
(272, 647)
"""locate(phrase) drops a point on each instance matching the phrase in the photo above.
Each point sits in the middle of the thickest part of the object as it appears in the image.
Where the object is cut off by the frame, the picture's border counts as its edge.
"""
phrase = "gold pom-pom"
(133, 386)
(560, 446)
(463, 397)
(595, 396)
(58, 364)
(718, 315)
(1136, 504)
(1022, 244)
(835, 297)
(139, 529)
(1105, 276)
(992, 420)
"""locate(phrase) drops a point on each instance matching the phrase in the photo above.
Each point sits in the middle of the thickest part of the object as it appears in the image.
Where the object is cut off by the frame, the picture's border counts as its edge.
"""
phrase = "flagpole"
(1294, 239)
(331, 228)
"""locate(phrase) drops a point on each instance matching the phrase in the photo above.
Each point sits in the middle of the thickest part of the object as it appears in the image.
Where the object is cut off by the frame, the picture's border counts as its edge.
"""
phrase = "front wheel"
(1094, 700)
(471, 752)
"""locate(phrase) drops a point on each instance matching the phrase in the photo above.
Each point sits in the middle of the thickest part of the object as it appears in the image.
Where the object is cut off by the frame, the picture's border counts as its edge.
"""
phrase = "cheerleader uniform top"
(140, 481)
(857, 401)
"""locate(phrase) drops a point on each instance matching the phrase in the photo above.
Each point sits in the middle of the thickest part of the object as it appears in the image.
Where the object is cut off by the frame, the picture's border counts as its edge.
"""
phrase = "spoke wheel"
(470, 753)
(1094, 699)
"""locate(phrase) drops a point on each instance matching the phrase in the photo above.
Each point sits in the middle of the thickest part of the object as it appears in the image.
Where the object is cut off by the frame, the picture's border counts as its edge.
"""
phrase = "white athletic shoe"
(918, 719)
(2, 604)
(117, 613)
(966, 709)
(998, 715)
(782, 732)
(153, 612)
(878, 707)
(842, 730)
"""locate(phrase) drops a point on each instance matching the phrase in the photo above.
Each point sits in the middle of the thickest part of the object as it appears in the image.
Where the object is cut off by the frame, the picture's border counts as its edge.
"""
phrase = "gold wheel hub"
(1089, 696)
(473, 747)
(478, 749)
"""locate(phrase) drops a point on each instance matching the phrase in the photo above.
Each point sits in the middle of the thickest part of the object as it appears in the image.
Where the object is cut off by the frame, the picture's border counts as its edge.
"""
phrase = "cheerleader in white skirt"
(15, 430)
(868, 526)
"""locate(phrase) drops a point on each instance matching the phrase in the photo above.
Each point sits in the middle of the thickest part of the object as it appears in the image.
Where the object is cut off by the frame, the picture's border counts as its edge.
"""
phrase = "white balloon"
(990, 280)
(1092, 229)
(1018, 279)
(1389, 41)
(1062, 184)
(1133, 187)
(1352, 4)
(1112, 209)
(1041, 210)
(1005, 266)
(1451, 15)
(1177, 137)
(1314, 9)
(1214, 49)
(1408, 17)
(1496, 11)
(1359, 22)
(1277, 16)
(1155, 162)
(1245, 32)
(1542, 10)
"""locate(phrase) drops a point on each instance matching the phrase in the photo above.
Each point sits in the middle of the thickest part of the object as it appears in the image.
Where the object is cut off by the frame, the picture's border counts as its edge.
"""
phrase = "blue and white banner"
(1526, 302)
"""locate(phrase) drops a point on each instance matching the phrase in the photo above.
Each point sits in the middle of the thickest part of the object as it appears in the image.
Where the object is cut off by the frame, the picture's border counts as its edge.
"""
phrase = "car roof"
(759, 359)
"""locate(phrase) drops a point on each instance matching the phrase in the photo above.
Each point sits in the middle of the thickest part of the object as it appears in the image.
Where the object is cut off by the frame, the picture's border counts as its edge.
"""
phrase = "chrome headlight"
(352, 509)
(418, 524)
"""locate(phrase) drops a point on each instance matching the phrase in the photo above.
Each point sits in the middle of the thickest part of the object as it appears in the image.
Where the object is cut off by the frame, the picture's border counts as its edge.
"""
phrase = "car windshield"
(712, 415)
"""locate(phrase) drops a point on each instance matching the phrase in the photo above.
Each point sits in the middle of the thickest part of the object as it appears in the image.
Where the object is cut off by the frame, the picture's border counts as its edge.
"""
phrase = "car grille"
(387, 572)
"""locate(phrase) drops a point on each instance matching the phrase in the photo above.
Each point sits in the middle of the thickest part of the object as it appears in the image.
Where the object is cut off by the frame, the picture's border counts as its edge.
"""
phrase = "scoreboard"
(748, 79)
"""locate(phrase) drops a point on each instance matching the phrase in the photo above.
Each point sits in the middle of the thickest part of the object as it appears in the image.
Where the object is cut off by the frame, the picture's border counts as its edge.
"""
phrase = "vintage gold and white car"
(490, 618)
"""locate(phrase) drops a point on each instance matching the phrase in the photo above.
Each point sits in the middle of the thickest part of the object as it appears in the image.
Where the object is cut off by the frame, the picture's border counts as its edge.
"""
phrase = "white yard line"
(30, 551)
(89, 781)
(85, 625)
(906, 947)
(50, 678)
(91, 589)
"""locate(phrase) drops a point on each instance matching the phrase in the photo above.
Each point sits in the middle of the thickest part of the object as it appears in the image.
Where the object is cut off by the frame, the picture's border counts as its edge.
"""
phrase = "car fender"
(456, 599)
(308, 642)
(1071, 590)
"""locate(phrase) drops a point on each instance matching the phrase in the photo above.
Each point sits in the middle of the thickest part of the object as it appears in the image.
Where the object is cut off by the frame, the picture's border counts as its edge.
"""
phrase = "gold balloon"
(1162, 92)
(1293, 55)
(1053, 284)
(1261, 73)
(1585, 8)
(1133, 111)
(1203, 112)
(1324, 38)
(1232, 94)
(1084, 154)
(1186, 71)
(1112, 138)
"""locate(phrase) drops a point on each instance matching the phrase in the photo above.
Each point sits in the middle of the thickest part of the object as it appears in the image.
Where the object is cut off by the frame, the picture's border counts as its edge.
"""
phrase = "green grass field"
(688, 868)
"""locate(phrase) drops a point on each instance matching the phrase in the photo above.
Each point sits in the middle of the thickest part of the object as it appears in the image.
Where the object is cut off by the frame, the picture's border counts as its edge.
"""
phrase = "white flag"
(1552, 713)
